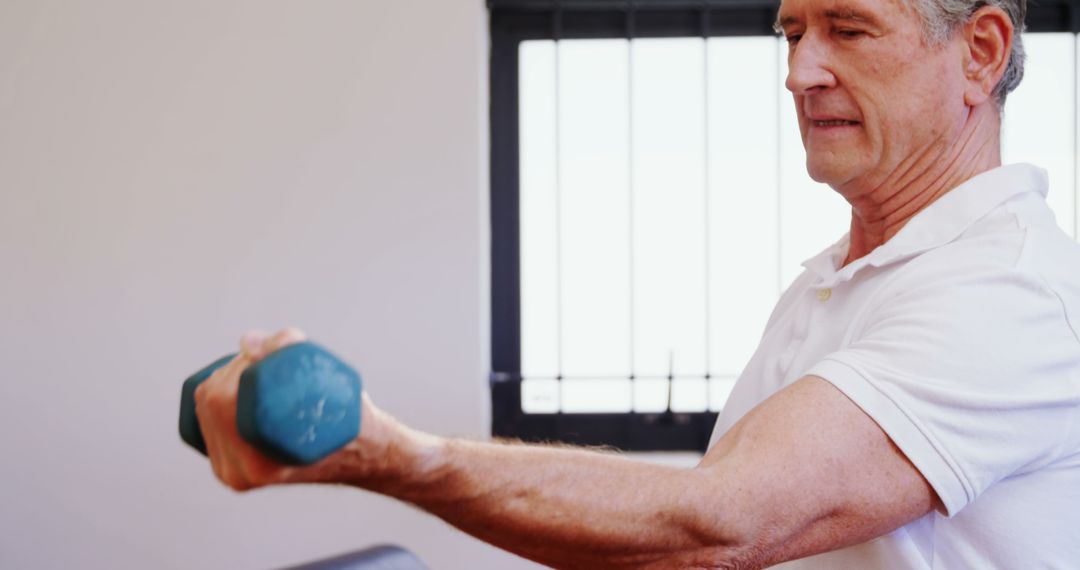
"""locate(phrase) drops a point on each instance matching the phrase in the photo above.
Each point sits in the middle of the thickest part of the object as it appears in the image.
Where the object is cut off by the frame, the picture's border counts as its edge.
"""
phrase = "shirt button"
(824, 294)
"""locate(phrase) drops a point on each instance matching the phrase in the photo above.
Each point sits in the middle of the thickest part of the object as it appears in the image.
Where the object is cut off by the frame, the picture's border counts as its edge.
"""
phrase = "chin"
(836, 168)
(827, 172)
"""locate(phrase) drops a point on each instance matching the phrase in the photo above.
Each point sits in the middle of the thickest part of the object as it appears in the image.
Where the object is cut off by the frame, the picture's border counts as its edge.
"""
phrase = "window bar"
(631, 23)
(657, 376)
(705, 25)
(670, 381)
(779, 177)
(556, 24)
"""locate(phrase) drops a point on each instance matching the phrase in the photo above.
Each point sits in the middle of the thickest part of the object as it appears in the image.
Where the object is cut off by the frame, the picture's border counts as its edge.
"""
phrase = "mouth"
(833, 123)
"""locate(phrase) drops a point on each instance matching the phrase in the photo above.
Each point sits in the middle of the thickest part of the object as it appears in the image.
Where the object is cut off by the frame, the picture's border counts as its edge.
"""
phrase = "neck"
(878, 212)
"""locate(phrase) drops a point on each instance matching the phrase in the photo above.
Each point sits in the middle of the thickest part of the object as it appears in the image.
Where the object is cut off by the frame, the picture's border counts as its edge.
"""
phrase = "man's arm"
(805, 472)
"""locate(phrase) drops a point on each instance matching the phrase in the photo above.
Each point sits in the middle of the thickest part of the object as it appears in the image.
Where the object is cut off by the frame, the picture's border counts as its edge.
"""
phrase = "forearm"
(569, 507)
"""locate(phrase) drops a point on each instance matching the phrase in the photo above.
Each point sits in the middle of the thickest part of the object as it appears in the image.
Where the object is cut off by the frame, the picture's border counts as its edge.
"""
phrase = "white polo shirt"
(958, 336)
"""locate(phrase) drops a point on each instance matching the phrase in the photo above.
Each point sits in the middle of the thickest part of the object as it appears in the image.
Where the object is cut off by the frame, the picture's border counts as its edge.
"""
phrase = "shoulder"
(1015, 263)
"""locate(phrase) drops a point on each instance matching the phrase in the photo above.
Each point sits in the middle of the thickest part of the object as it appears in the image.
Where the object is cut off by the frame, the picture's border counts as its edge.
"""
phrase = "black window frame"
(514, 21)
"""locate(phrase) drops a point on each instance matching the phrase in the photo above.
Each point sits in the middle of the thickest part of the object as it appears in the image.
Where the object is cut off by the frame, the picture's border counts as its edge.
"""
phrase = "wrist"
(393, 460)
(424, 462)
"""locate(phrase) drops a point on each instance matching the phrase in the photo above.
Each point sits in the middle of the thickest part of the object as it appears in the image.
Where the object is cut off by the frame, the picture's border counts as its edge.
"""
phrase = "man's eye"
(793, 38)
(850, 33)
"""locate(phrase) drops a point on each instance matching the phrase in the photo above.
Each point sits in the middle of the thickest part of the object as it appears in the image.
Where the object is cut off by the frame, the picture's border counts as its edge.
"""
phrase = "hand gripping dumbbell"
(296, 405)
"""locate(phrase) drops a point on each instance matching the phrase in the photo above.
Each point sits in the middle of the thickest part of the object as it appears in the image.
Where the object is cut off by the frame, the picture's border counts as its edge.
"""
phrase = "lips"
(833, 122)
(839, 117)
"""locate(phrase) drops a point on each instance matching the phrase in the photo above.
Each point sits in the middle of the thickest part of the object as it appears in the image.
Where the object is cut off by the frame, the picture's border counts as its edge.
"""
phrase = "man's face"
(873, 100)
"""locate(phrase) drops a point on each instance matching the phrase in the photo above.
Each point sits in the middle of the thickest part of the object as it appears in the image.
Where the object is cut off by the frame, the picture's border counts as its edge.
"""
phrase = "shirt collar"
(941, 222)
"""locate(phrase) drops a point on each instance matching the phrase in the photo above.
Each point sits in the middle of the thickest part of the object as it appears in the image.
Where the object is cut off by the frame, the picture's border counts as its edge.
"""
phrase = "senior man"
(914, 400)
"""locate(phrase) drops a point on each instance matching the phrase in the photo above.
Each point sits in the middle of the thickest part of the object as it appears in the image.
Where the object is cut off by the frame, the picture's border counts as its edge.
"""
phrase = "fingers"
(283, 338)
(256, 344)
(252, 341)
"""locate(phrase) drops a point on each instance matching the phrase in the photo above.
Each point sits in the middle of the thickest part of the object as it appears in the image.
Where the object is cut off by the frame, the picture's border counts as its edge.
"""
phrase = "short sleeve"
(975, 377)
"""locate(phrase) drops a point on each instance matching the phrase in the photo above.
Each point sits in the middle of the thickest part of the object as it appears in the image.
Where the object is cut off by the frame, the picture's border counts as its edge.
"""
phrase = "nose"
(808, 67)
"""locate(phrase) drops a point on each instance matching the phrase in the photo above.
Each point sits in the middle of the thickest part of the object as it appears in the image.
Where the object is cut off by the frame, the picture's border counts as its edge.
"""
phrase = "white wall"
(173, 173)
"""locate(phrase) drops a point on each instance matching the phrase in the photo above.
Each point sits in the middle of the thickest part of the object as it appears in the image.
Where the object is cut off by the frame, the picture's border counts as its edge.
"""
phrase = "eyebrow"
(844, 14)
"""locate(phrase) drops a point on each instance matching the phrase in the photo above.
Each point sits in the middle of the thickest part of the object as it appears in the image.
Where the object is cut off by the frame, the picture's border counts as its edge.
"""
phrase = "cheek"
(883, 91)
(940, 103)
(913, 103)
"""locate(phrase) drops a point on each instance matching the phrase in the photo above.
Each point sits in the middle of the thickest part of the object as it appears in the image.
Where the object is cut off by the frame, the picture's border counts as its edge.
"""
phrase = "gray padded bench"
(384, 557)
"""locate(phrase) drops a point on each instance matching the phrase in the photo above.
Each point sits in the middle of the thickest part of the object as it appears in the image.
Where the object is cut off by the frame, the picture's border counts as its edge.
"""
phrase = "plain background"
(174, 173)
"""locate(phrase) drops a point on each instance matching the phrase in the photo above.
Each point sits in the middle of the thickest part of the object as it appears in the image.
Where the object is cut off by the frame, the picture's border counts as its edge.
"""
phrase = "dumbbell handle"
(296, 405)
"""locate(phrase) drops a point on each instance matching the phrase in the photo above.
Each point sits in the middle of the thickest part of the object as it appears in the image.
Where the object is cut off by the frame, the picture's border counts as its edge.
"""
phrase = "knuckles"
(202, 396)
(208, 396)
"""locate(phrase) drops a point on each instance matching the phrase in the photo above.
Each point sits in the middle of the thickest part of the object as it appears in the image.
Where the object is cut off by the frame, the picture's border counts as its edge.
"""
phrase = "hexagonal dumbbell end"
(189, 422)
(299, 404)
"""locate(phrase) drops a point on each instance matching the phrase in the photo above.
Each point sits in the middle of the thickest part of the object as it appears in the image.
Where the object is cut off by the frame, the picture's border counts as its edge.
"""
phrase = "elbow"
(728, 553)
(705, 558)
(722, 525)
(709, 522)
(696, 544)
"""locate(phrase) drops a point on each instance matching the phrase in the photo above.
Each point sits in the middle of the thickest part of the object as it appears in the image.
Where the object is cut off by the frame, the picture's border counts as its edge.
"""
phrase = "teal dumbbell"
(296, 405)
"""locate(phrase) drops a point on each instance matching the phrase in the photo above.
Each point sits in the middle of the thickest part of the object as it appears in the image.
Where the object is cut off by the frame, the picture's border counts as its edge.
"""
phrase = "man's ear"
(988, 36)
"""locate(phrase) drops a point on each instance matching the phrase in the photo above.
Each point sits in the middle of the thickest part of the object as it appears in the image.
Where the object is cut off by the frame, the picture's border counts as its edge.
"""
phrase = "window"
(646, 217)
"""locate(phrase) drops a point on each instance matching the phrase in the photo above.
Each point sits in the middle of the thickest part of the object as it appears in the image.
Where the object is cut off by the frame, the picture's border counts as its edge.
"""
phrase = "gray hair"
(943, 18)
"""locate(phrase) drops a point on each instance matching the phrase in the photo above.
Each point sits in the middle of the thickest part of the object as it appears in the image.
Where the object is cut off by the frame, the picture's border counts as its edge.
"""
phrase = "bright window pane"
(1040, 119)
(669, 197)
(594, 171)
(743, 190)
(539, 216)
(540, 396)
(689, 395)
(597, 396)
(719, 390)
(650, 395)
